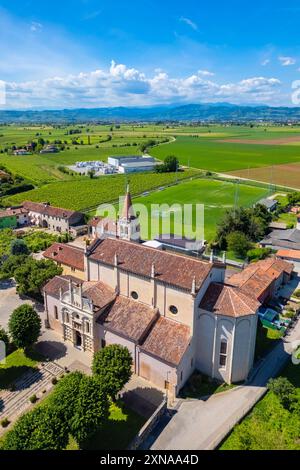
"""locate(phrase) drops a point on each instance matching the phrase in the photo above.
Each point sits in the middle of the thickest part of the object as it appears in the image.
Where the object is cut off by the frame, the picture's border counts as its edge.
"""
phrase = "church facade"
(174, 313)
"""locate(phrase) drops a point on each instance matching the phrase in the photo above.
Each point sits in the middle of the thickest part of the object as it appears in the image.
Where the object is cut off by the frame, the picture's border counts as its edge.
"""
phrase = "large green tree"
(112, 365)
(32, 276)
(19, 247)
(24, 326)
(82, 402)
(238, 243)
(40, 429)
(284, 390)
(91, 411)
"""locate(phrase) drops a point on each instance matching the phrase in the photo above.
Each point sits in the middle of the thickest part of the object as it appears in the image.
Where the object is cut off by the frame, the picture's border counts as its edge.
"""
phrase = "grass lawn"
(199, 385)
(269, 426)
(17, 363)
(122, 426)
(266, 339)
(217, 197)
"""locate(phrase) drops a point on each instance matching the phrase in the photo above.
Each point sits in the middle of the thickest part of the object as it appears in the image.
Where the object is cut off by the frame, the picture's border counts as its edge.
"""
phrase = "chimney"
(116, 260)
(194, 286)
(211, 256)
(224, 257)
(153, 270)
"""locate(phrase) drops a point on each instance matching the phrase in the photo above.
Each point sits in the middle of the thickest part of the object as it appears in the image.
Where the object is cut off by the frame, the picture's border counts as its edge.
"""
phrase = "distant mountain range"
(190, 112)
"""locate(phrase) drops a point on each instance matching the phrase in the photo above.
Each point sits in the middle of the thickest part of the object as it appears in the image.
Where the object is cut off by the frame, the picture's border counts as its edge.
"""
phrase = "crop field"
(222, 156)
(217, 197)
(283, 175)
(85, 193)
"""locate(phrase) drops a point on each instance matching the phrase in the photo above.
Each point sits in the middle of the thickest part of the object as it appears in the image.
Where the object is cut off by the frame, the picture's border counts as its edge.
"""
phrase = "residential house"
(53, 218)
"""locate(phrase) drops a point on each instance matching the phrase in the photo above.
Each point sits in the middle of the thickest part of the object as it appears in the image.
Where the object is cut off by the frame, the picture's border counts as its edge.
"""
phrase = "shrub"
(33, 399)
(5, 422)
(40, 429)
(284, 390)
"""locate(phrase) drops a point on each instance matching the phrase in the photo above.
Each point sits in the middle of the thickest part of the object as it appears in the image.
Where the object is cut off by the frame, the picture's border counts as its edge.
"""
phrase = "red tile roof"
(174, 269)
(168, 340)
(291, 254)
(128, 318)
(10, 212)
(53, 287)
(229, 301)
(47, 209)
(66, 254)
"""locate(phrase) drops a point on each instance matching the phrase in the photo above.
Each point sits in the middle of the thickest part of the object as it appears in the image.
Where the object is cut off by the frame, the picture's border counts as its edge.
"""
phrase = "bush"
(40, 429)
(112, 366)
(258, 253)
(33, 399)
(24, 326)
(284, 390)
(5, 422)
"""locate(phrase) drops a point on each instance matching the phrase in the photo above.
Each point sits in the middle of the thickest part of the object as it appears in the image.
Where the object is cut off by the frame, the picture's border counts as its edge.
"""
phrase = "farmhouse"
(13, 217)
(53, 218)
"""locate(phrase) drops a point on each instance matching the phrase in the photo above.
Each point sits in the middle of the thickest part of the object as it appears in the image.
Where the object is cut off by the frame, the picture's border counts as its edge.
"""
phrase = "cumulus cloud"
(124, 86)
(286, 61)
(189, 22)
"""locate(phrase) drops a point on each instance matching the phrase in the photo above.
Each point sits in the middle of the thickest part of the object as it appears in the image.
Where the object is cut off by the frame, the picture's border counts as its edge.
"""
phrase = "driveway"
(10, 300)
(202, 425)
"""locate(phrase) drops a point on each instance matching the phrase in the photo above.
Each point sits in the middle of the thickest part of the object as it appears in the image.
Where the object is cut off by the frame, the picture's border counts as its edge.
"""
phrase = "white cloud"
(206, 73)
(286, 61)
(36, 27)
(265, 62)
(123, 86)
(189, 22)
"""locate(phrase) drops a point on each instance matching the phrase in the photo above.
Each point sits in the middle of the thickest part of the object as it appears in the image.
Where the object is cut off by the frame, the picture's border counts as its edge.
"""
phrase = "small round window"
(173, 309)
(134, 295)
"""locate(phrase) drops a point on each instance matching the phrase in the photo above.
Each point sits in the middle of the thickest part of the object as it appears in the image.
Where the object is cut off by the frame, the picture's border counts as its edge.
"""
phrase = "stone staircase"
(14, 403)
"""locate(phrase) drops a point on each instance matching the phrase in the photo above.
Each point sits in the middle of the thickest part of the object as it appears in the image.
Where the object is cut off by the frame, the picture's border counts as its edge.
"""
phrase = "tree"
(82, 402)
(112, 366)
(284, 390)
(170, 165)
(19, 247)
(9, 266)
(294, 198)
(65, 395)
(32, 276)
(239, 243)
(40, 429)
(91, 411)
(24, 326)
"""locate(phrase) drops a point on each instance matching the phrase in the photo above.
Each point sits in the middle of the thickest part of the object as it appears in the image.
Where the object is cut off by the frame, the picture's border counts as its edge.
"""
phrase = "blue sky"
(93, 53)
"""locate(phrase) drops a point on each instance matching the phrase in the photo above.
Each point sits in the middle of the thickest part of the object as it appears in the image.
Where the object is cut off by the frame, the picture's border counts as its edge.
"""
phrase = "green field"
(213, 155)
(217, 197)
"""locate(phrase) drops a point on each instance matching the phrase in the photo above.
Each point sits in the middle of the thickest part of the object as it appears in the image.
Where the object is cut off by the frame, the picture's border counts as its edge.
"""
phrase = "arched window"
(67, 317)
(87, 327)
(134, 295)
(173, 309)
